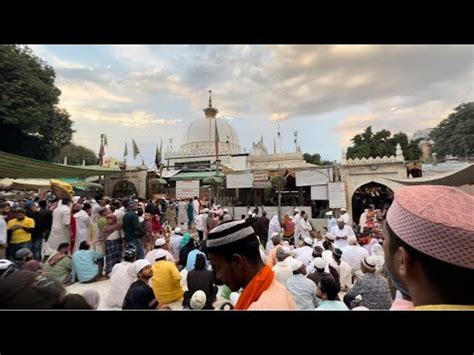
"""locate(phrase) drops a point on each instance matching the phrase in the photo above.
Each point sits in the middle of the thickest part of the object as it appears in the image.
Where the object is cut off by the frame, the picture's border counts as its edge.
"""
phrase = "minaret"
(210, 112)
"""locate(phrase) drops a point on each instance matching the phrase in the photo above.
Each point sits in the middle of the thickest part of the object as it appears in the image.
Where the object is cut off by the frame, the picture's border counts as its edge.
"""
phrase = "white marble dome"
(199, 138)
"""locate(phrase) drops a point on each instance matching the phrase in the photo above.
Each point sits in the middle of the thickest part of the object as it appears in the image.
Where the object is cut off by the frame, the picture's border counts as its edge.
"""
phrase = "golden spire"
(210, 111)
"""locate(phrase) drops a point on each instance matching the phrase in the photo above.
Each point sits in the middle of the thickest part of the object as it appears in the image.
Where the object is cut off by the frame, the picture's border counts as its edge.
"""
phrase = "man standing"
(61, 226)
(201, 223)
(3, 230)
(305, 228)
(233, 249)
(332, 222)
(341, 232)
(83, 226)
(345, 216)
(297, 219)
(429, 251)
(261, 228)
(19, 233)
(175, 242)
(133, 231)
(140, 295)
(196, 205)
(43, 226)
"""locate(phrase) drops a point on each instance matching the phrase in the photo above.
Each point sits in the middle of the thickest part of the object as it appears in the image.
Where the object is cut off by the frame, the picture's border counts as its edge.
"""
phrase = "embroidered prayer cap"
(230, 232)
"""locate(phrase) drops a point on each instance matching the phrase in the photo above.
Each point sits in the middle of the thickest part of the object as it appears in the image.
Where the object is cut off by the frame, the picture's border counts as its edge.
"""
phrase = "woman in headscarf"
(273, 227)
(112, 236)
(288, 229)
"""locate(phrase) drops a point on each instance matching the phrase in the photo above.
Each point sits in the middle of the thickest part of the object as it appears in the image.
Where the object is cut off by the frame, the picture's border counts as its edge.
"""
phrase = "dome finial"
(210, 111)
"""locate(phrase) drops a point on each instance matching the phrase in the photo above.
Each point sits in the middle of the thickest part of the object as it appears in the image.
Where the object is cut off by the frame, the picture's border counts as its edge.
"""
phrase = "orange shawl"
(255, 288)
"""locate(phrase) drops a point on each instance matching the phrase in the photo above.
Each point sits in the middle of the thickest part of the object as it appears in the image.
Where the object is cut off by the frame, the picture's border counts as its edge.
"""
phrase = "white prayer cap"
(320, 263)
(308, 241)
(159, 253)
(140, 264)
(329, 213)
(352, 240)
(159, 242)
(360, 308)
(287, 250)
(250, 213)
(329, 236)
(340, 219)
(76, 198)
(343, 209)
(295, 264)
(225, 210)
(227, 217)
(206, 210)
(275, 234)
(177, 230)
(198, 300)
(297, 210)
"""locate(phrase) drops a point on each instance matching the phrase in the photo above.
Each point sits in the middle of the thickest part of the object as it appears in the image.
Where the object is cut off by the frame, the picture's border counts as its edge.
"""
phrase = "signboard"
(187, 188)
(236, 181)
(261, 184)
(337, 194)
(260, 176)
(312, 177)
(319, 192)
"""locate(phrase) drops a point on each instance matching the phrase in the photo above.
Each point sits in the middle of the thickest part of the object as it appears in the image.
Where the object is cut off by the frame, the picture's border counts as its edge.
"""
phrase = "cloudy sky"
(326, 93)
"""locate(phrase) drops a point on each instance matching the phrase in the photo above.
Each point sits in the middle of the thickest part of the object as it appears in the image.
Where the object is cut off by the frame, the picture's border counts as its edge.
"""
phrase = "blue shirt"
(84, 266)
(192, 259)
(327, 305)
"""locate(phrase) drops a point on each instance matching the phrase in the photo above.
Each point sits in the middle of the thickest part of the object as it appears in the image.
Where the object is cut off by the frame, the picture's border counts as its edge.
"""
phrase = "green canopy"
(15, 166)
(195, 175)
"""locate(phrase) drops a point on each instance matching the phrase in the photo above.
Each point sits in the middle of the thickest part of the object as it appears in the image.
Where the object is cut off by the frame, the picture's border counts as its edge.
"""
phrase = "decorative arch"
(374, 192)
(124, 188)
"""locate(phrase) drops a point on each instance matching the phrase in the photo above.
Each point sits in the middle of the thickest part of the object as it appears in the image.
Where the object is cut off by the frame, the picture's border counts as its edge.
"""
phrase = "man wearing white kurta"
(341, 232)
(60, 228)
(305, 227)
(345, 216)
(331, 220)
(305, 253)
(296, 221)
(343, 269)
(196, 207)
(353, 254)
(83, 226)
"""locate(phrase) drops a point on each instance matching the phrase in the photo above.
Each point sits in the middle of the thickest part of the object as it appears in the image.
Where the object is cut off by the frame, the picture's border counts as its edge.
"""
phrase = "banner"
(312, 177)
(337, 194)
(319, 192)
(239, 181)
(187, 188)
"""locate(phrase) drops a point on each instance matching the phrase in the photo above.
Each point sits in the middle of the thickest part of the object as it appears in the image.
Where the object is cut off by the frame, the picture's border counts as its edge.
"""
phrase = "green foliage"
(75, 154)
(31, 124)
(315, 159)
(369, 144)
(455, 134)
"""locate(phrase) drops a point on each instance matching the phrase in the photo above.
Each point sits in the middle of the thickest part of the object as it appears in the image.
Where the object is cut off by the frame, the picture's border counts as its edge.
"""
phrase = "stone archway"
(124, 188)
(371, 193)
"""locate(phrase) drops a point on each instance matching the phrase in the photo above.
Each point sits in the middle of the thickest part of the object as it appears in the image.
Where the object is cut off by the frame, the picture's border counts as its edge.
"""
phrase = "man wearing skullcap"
(160, 244)
(166, 280)
(372, 287)
(305, 253)
(175, 242)
(233, 249)
(345, 216)
(320, 266)
(429, 246)
(133, 231)
(341, 232)
(301, 288)
(140, 295)
(343, 269)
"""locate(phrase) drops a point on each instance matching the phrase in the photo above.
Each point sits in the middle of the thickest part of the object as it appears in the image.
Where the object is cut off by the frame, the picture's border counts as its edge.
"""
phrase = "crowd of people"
(191, 255)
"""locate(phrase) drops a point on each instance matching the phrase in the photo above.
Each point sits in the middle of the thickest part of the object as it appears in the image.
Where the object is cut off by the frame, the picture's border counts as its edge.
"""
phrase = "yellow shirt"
(20, 235)
(166, 282)
(448, 307)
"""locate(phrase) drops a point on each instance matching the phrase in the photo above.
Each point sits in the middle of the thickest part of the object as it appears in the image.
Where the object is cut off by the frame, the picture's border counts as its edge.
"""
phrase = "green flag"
(136, 151)
(125, 151)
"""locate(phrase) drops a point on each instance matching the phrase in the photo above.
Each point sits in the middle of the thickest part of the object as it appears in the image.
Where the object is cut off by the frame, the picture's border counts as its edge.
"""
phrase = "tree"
(455, 134)
(315, 159)
(369, 144)
(75, 154)
(31, 123)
